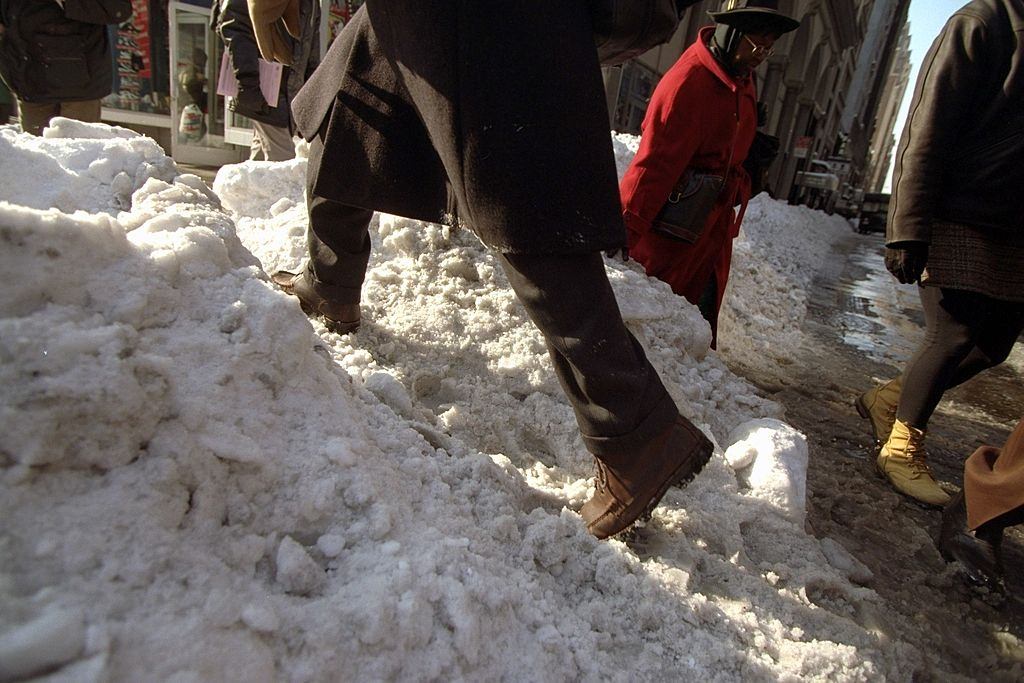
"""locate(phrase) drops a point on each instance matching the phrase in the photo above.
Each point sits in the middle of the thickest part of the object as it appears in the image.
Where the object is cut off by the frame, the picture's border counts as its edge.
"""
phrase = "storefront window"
(197, 121)
(141, 61)
(338, 13)
(635, 89)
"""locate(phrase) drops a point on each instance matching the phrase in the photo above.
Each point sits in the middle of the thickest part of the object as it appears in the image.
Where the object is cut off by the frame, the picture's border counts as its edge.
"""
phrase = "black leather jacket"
(233, 24)
(54, 54)
(961, 156)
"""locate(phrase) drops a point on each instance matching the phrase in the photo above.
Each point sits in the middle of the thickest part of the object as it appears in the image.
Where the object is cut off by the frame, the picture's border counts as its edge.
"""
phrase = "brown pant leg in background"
(36, 115)
(85, 110)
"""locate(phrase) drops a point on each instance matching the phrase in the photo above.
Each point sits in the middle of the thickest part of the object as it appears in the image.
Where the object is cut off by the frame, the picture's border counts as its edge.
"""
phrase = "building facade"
(878, 160)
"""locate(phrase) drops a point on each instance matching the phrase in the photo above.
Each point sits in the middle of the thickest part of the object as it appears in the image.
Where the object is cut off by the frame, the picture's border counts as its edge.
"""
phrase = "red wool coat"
(697, 112)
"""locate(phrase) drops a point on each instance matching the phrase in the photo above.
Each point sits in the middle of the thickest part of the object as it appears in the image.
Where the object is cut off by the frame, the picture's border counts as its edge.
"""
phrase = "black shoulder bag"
(686, 212)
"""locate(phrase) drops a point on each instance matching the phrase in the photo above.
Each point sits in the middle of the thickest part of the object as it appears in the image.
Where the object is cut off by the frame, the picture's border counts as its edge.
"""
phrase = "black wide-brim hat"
(755, 15)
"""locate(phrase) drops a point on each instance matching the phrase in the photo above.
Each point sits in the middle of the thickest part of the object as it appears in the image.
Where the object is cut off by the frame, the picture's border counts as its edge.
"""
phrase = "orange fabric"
(994, 479)
(271, 19)
(695, 116)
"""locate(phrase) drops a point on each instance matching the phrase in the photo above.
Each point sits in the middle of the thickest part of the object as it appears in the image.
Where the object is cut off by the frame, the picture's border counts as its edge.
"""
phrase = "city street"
(861, 328)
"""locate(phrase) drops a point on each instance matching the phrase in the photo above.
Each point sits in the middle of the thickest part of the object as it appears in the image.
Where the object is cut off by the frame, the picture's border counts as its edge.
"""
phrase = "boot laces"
(915, 452)
(601, 476)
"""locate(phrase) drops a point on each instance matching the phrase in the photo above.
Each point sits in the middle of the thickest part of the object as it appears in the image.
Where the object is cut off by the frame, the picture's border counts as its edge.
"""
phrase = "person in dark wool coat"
(492, 114)
(956, 226)
(992, 500)
(56, 57)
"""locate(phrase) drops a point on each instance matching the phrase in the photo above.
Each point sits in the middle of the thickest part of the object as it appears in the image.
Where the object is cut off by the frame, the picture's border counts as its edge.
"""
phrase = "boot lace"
(600, 476)
(916, 453)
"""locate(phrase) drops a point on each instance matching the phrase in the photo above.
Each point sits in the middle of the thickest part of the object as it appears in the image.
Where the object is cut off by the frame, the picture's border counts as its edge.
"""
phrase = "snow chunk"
(53, 639)
(840, 558)
(296, 571)
(771, 458)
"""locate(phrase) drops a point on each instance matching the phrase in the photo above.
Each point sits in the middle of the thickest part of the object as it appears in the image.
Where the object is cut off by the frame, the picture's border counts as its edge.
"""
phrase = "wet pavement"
(861, 328)
(871, 314)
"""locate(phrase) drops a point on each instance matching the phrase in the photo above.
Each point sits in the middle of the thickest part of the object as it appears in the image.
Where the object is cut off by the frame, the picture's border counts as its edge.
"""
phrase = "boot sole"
(920, 503)
(694, 464)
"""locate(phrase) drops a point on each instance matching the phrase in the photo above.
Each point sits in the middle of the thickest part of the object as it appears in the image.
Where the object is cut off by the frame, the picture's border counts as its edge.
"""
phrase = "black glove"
(249, 101)
(906, 260)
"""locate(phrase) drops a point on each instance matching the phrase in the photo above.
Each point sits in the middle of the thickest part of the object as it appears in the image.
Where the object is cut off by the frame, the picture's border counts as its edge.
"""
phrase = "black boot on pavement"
(978, 552)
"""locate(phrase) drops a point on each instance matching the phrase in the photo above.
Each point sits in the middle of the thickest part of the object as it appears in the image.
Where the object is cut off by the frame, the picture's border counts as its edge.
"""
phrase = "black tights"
(966, 333)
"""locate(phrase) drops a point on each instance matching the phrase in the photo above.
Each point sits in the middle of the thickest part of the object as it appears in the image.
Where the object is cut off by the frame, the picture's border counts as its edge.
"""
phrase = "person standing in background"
(55, 56)
(956, 226)
(299, 52)
(702, 118)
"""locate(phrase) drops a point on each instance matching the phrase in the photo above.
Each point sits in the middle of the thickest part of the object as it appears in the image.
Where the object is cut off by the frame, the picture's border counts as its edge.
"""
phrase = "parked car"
(874, 212)
(849, 201)
(817, 187)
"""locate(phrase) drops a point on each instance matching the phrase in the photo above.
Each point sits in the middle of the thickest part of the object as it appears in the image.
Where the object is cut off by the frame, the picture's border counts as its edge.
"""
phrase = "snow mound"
(197, 484)
(90, 167)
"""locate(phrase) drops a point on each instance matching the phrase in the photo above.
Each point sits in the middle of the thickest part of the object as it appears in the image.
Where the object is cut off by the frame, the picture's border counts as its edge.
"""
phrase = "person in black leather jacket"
(956, 223)
(272, 125)
(55, 57)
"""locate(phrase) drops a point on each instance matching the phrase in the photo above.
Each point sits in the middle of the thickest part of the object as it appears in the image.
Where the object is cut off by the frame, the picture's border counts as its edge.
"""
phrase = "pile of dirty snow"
(196, 483)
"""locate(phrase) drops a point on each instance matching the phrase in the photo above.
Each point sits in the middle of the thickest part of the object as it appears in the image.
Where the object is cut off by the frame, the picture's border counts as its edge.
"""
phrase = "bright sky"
(927, 17)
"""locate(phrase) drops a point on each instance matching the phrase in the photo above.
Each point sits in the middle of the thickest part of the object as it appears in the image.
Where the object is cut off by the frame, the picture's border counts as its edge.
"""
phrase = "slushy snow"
(197, 483)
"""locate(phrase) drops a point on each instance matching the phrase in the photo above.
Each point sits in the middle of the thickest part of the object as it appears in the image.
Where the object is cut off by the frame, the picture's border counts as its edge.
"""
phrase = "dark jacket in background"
(233, 24)
(415, 123)
(49, 54)
(961, 156)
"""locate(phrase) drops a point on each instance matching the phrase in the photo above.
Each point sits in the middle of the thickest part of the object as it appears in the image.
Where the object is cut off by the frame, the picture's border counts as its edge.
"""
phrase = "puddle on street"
(869, 311)
(872, 314)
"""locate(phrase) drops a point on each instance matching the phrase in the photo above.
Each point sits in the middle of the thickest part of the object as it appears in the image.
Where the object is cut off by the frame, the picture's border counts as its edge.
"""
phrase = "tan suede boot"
(902, 462)
(879, 406)
(631, 485)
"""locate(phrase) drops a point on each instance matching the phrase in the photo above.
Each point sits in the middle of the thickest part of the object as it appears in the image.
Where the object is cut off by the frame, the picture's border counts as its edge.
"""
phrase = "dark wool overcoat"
(492, 111)
(699, 117)
(52, 52)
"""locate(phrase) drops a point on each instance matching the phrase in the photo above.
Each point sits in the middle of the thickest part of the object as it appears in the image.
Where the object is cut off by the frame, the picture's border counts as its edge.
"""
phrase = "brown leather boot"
(338, 318)
(632, 484)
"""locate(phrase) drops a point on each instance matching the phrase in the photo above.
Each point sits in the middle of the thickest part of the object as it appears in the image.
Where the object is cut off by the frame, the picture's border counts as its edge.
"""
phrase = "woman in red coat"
(702, 116)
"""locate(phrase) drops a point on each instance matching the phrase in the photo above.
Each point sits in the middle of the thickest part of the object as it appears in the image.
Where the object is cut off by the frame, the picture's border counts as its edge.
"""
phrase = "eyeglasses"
(759, 51)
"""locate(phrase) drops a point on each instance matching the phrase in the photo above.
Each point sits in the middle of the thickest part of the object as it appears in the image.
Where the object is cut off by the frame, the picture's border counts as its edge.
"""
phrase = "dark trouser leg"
(966, 333)
(338, 239)
(619, 400)
(993, 346)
